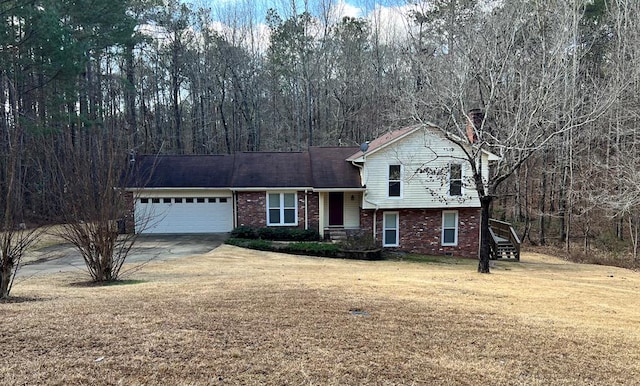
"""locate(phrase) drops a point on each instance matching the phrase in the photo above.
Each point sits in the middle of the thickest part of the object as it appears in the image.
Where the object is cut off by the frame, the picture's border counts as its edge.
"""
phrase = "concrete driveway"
(64, 257)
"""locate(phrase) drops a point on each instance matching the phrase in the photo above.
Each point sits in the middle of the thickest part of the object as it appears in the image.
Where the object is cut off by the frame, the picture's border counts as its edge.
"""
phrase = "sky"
(390, 15)
(258, 8)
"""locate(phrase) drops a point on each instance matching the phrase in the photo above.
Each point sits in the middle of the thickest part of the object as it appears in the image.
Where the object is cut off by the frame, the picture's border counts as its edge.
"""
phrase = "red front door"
(336, 209)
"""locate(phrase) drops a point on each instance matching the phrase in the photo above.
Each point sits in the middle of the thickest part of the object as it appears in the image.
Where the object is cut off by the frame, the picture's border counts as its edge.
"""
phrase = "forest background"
(83, 78)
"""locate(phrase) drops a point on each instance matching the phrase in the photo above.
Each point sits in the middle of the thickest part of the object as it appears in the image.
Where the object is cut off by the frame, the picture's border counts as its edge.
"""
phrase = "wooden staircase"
(505, 243)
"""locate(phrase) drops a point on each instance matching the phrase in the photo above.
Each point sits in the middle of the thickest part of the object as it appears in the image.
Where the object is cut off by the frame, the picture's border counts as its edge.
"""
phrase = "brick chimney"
(474, 123)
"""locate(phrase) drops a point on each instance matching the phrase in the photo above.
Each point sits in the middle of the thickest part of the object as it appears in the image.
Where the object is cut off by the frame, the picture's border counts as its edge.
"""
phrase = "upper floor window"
(395, 181)
(282, 209)
(455, 179)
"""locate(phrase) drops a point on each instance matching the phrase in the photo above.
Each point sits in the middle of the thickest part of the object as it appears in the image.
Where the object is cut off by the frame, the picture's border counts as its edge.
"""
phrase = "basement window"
(449, 227)
(391, 229)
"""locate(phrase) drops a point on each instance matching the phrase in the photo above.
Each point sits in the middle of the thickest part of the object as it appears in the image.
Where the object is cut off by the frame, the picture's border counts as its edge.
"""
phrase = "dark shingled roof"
(320, 167)
(272, 170)
(184, 171)
(330, 170)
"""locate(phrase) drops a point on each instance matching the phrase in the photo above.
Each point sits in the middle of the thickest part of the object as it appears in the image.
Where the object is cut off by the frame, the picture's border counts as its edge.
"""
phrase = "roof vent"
(364, 147)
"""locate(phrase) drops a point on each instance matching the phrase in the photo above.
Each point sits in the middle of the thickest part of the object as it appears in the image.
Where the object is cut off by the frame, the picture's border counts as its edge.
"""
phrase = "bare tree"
(516, 69)
(97, 208)
(14, 237)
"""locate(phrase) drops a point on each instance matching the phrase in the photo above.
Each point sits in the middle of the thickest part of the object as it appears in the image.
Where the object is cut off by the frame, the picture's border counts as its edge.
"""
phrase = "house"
(409, 188)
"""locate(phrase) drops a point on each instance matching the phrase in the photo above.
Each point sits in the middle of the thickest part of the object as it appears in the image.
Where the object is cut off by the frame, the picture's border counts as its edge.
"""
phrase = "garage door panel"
(181, 216)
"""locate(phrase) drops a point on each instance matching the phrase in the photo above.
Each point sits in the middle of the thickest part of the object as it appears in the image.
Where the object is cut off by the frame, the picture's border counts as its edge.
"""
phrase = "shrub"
(313, 248)
(275, 233)
(261, 245)
(244, 232)
(304, 235)
(359, 241)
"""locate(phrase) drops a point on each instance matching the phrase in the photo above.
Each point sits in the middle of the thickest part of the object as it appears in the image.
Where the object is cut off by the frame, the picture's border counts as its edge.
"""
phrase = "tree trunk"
(5, 277)
(485, 247)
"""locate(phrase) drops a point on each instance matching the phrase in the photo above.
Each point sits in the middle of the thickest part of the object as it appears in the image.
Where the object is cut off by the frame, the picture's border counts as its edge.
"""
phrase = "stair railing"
(504, 230)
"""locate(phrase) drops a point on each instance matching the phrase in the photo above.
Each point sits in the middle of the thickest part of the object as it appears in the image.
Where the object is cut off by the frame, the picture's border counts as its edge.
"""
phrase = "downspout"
(234, 197)
(306, 211)
(364, 197)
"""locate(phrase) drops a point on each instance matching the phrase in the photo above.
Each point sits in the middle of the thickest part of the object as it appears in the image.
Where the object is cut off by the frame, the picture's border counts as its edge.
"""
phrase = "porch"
(339, 213)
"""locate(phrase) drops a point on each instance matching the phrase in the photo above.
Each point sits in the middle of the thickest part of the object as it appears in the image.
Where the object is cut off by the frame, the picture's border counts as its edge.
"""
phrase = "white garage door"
(184, 214)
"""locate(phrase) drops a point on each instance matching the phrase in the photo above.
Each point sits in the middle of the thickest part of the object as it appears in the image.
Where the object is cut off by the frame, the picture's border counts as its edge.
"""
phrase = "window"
(200, 200)
(390, 236)
(178, 200)
(450, 227)
(282, 209)
(395, 182)
(166, 200)
(188, 200)
(455, 179)
(223, 199)
(144, 200)
(212, 199)
(155, 200)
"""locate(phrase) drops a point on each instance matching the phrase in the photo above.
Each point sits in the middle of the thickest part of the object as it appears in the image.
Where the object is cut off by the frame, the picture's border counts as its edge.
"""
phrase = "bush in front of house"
(275, 233)
(244, 232)
(312, 249)
(296, 248)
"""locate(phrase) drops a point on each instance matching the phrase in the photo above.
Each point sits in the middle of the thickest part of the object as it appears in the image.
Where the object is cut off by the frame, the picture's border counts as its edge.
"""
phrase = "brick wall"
(129, 211)
(421, 231)
(313, 203)
(252, 209)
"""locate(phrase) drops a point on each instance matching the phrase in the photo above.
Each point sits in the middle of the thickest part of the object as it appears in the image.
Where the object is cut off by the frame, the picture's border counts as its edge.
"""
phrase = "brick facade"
(421, 231)
(128, 224)
(252, 209)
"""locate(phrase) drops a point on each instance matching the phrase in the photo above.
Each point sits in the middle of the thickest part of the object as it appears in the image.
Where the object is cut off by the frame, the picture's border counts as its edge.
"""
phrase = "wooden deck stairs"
(505, 243)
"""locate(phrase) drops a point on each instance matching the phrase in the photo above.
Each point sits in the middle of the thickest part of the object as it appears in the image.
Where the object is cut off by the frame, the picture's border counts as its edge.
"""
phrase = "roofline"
(339, 189)
(132, 189)
(262, 188)
(409, 132)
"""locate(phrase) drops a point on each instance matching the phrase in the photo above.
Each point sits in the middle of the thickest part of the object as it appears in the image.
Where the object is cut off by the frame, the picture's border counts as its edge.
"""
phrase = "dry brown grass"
(245, 317)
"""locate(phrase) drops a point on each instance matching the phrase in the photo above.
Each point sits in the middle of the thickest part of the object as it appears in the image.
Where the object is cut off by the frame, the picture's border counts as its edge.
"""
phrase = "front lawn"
(238, 316)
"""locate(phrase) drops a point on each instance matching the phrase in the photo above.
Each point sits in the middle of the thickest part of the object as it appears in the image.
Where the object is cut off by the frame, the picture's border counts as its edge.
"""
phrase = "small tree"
(96, 207)
(14, 237)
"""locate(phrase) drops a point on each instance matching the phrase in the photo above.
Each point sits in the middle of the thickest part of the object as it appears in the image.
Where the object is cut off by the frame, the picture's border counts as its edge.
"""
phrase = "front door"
(336, 209)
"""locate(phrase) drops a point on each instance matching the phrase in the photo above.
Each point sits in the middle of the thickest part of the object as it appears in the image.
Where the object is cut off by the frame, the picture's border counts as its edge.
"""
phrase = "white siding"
(352, 210)
(425, 157)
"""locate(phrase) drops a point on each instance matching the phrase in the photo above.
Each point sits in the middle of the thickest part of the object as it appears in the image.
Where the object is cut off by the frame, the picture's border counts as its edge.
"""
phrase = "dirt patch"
(234, 316)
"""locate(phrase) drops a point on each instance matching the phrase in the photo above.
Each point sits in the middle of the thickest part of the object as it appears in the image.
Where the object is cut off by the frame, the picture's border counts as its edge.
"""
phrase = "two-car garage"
(180, 213)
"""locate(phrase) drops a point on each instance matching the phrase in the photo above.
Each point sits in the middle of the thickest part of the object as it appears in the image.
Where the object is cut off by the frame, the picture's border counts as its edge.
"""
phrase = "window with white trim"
(455, 179)
(395, 181)
(449, 227)
(390, 229)
(282, 209)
